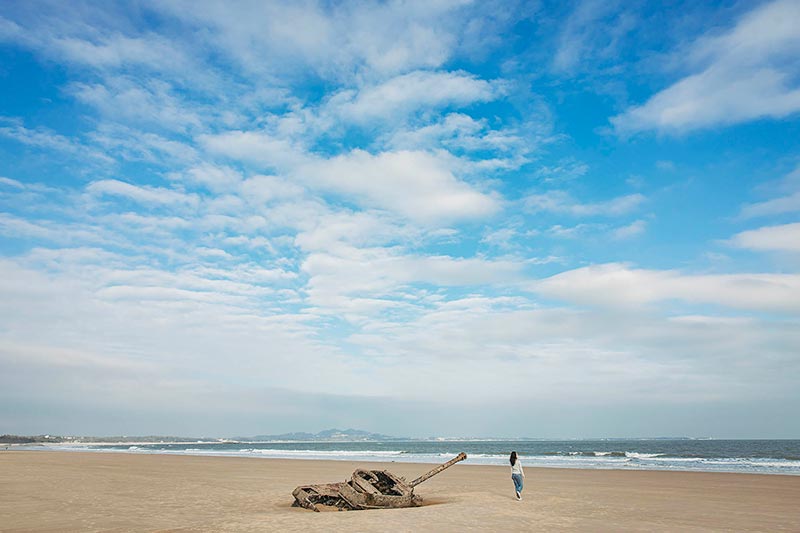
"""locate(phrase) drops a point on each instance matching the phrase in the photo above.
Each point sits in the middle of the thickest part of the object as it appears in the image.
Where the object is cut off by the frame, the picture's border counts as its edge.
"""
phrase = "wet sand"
(82, 491)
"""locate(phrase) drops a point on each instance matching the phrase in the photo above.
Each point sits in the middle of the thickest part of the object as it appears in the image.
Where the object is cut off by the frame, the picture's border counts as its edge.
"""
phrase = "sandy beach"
(69, 491)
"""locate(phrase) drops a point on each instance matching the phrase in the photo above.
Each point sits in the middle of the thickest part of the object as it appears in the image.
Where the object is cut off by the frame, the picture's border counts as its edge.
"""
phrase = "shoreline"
(54, 447)
(59, 490)
(383, 464)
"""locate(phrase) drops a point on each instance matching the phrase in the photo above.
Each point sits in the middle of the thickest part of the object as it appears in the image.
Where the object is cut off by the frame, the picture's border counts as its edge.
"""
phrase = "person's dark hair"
(513, 458)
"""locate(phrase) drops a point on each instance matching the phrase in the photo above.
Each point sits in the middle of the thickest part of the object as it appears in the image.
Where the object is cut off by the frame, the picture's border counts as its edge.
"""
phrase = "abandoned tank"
(366, 489)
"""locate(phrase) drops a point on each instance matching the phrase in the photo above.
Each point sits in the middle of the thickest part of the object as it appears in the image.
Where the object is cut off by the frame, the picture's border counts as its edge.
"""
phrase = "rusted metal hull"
(366, 489)
(343, 497)
(328, 495)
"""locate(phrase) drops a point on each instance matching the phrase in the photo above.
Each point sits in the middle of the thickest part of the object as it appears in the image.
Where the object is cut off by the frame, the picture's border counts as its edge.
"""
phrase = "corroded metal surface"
(366, 489)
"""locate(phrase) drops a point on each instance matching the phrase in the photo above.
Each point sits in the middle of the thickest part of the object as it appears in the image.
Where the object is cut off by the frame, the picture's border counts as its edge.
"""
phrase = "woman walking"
(517, 474)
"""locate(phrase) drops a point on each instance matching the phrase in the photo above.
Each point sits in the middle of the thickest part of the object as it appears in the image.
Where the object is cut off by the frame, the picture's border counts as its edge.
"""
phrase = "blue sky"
(543, 219)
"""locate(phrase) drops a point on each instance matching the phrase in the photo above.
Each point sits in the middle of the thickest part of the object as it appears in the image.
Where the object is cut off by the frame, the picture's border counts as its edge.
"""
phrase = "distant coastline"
(678, 454)
(329, 435)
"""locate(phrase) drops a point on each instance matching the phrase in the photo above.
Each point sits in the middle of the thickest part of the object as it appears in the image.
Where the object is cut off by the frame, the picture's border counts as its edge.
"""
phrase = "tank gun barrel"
(448, 464)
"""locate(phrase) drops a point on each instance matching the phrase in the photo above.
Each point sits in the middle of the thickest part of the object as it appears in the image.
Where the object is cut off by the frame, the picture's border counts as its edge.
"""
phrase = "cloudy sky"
(543, 219)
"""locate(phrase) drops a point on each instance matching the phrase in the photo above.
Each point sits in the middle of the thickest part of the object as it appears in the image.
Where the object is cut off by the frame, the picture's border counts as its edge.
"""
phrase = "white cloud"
(789, 186)
(39, 137)
(142, 194)
(505, 349)
(617, 285)
(408, 93)
(590, 34)
(256, 147)
(136, 145)
(417, 185)
(633, 229)
(562, 202)
(264, 189)
(8, 182)
(124, 316)
(500, 238)
(459, 132)
(747, 73)
(564, 171)
(348, 232)
(784, 238)
(383, 278)
(215, 178)
(47, 139)
(154, 104)
(19, 227)
(776, 206)
(117, 50)
(573, 232)
(387, 38)
(454, 126)
(63, 233)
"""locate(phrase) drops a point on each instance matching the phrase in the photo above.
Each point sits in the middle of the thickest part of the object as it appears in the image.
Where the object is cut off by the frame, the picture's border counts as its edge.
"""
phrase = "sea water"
(751, 456)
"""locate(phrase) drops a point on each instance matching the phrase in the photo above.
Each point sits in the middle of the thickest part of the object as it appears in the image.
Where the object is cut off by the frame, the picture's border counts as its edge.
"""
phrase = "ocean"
(750, 456)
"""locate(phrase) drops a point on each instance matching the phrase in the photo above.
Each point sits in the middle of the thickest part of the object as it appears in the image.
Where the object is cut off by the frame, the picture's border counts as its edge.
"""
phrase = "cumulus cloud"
(260, 188)
(783, 238)
(417, 185)
(618, 285)
(215, 178)
(421, 90)
(380, 276)
(460, 133)
(258, 147)
(383, 38)
(154, 104)
(746, 73)
(92, 38)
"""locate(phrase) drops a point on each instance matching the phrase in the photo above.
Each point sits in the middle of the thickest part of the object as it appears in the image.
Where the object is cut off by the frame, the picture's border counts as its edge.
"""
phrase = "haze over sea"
(747, 456)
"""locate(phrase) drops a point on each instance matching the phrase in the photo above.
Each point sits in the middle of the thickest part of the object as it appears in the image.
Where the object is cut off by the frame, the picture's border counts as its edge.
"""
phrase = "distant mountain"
(329, 435)
(340, 435)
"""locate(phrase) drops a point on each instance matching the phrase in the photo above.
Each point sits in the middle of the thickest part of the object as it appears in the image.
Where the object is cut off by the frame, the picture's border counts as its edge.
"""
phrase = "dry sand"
(70, 491)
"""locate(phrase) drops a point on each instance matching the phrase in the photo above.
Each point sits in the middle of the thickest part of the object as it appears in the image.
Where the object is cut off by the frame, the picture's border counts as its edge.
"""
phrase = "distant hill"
(57, 439)
(341, 435)
(329, 435)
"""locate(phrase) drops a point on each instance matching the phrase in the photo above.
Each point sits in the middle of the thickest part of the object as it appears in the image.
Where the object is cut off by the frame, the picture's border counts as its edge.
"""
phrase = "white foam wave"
(592, 460)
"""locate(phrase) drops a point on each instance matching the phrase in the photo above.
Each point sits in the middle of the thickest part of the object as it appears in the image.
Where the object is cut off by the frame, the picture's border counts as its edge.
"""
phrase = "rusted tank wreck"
(366, 489)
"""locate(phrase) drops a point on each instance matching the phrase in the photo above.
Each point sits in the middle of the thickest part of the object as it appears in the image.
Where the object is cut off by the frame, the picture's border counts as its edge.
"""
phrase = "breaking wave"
(766, 457)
